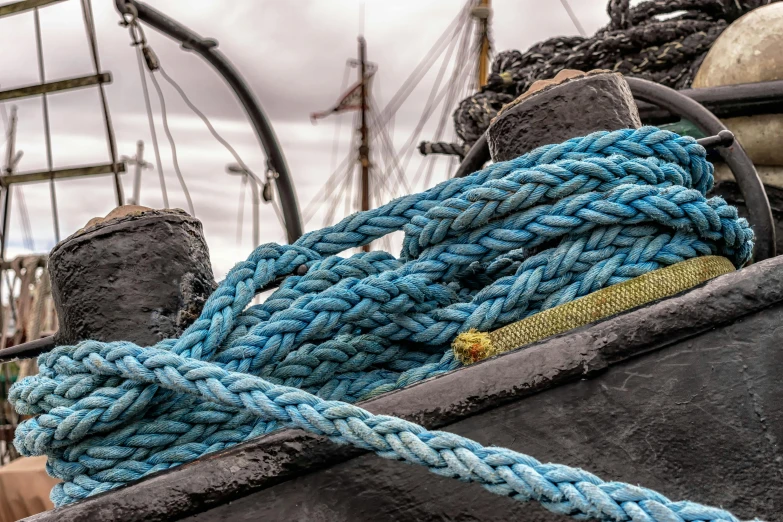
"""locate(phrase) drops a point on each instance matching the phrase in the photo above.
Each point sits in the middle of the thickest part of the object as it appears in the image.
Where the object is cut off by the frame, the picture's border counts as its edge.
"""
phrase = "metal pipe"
(475, 159)
(729, 101)
(207, 49)
(139, 162)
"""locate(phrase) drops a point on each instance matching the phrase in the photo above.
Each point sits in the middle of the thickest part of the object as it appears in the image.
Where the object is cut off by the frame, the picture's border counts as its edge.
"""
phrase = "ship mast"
(482, 13)
(364, 148)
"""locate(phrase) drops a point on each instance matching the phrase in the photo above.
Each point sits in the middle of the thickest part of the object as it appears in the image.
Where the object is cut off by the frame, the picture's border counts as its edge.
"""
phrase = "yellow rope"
(473, 346)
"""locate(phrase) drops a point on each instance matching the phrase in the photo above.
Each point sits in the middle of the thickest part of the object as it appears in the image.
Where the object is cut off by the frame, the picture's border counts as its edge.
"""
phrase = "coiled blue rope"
(479, 252)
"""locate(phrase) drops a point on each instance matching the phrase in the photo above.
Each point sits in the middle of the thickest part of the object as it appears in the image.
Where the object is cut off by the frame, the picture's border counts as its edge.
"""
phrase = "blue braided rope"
(614, 205)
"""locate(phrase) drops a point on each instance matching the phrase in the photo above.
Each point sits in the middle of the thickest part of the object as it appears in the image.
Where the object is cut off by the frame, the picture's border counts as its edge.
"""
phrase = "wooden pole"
(364, 148)
(483, 13)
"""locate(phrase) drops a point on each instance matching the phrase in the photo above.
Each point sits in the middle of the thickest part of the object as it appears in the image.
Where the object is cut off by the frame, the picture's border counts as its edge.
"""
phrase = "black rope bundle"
(663, 41)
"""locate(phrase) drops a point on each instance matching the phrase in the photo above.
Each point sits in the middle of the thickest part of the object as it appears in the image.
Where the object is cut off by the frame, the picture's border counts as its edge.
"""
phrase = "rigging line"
(388, 146)
(151, 121)
(432, 104)
(47, 128)
(448, 105)
(343, 192)
(24, 215)
(241, 209)
(424, 65)
(408, 148)
(379, 134)
(27, 229)
(316, 202)
(203, 117)
(89, 24)
(172, 144)
(573, 17)
(339, 119)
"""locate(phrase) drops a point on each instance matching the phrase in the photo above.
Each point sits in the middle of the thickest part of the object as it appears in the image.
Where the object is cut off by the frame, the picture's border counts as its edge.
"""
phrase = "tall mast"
(364, 148)
(482, 13)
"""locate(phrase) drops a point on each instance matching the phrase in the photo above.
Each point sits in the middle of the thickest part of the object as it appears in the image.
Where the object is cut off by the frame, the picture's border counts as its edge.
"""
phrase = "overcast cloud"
(293, 55)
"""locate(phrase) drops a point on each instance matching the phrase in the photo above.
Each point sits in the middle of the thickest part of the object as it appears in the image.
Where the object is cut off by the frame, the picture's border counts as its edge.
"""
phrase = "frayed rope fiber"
(480, 252)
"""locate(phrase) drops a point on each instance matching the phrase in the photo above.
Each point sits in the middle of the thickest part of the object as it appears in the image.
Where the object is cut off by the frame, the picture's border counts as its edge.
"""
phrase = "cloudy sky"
(292, 53)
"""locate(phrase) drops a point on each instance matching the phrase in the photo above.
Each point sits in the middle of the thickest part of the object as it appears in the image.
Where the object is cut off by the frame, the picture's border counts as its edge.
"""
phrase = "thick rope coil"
(637, 42)
(480, 252)
(442, 147)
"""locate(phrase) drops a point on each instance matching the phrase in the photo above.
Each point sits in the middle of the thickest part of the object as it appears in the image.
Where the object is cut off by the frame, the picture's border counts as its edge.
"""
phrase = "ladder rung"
(59, 85)
(24, 5)
(45, 175)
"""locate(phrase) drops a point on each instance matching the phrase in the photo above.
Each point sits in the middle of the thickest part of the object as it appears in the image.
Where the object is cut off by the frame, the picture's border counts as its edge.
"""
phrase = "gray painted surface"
(701, 420)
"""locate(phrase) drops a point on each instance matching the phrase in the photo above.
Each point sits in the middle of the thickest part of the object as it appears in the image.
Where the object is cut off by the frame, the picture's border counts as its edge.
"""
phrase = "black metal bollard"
(139, 274)
(571, 105)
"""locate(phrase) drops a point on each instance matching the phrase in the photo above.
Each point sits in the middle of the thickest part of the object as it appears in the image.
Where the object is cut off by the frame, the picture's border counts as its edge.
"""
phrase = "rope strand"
(613, 205)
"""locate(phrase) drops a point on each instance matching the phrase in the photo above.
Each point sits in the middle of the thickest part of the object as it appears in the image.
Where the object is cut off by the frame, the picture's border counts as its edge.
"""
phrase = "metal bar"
(27, 350)
(6, 216)
(47, 128)
(730, 101)
(139, 162)
(24, 5)
(207, 48)
(59, 85)
(75, 172)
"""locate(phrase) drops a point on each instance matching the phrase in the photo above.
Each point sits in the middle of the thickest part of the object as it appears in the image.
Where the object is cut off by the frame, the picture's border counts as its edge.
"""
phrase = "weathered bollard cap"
(137, 274)
(554, 110)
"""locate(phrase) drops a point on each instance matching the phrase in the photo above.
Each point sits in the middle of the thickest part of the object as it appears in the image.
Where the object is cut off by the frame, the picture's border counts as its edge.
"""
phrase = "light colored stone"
(748, 51)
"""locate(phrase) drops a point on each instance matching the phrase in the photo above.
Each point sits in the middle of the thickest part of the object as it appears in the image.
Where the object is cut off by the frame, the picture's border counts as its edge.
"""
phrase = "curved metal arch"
(736, 158)
(207, 49)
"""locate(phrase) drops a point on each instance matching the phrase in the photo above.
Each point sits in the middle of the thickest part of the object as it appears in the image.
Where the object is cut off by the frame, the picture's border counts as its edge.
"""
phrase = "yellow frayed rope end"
(472, 346)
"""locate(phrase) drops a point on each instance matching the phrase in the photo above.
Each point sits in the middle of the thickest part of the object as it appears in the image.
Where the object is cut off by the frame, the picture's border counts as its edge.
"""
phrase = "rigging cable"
(241, 209)
(573, 17)
(24, 214)
(151, 120)
(459, 79)
(338, 123)
(172, 144)
(89, 24)
(454, 28)
(47, 129)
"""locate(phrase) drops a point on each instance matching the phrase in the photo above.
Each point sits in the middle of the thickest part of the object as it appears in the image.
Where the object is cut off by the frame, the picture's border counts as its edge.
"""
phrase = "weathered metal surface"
(576, 107)
(59, 85)
(141, 277)
(74, 172)
(681, 396)
(745, 99)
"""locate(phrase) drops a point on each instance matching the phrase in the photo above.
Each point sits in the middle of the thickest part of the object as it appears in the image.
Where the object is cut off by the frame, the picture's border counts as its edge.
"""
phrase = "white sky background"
(292, 53)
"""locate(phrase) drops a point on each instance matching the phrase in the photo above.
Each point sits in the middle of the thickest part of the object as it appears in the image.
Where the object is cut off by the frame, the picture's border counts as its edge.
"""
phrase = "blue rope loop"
(615, 205)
